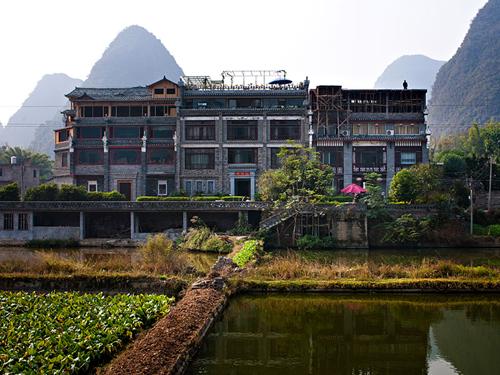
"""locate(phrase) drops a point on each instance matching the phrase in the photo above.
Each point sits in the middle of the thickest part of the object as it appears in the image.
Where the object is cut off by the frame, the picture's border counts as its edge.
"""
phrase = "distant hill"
(45, 100)
(467, 88)
(418, 70)
(134, 58)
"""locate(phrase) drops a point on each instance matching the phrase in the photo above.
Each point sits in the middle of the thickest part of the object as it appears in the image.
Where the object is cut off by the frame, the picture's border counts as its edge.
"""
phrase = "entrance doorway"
(126, 189)
(242, 187)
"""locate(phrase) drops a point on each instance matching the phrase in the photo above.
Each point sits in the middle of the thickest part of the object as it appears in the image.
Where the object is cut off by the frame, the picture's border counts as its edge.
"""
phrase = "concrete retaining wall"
(56, 233)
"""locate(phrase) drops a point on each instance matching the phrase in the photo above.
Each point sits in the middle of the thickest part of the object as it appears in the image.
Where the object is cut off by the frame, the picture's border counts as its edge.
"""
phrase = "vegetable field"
(69, 332)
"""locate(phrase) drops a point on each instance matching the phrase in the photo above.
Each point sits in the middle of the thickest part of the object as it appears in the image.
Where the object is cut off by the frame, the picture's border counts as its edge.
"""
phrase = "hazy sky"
(347, 42)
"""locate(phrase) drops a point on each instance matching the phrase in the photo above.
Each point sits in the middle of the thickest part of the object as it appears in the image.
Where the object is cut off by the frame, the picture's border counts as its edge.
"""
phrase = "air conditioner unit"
(389, 132)
(345, 133)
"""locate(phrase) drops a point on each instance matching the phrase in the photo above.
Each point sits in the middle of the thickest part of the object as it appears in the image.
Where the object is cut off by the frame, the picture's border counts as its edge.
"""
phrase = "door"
(242, 187)
(126, 189)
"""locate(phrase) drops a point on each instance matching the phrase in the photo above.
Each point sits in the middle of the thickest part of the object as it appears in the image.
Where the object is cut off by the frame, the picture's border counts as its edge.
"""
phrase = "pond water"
(354, 334)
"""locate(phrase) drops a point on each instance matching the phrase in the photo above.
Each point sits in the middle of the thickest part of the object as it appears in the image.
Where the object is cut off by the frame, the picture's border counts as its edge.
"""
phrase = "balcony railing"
(380, 169)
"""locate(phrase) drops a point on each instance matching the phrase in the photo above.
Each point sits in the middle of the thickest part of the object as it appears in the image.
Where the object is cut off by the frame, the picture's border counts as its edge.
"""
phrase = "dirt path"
(168, 346)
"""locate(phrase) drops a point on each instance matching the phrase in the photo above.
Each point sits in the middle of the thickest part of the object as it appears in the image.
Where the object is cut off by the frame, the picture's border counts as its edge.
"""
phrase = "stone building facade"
(22, 173)
(206, 136)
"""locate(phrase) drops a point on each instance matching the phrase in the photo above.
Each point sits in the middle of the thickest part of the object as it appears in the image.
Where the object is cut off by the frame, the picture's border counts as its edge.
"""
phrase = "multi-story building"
(217, 136)
(362, 131)
(119, 139)
(230, 133)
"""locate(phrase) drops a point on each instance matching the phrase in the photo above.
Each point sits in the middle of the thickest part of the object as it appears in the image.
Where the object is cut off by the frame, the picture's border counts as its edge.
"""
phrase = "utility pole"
(489, 185)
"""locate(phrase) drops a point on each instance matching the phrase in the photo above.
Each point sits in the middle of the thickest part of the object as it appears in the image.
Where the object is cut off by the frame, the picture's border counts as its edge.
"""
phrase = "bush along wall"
(228, 198)
(51, 192)
(9, 192)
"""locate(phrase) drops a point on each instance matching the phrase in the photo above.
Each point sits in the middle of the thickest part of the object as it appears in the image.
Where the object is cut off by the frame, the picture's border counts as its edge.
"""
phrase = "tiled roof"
(110, 94)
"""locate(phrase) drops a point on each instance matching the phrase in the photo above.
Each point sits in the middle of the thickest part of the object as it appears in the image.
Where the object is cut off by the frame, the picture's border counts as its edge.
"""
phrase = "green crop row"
(69, 332)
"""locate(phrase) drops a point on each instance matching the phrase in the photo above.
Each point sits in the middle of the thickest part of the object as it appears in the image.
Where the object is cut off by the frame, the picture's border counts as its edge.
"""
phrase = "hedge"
(51, 192)
(196, 198)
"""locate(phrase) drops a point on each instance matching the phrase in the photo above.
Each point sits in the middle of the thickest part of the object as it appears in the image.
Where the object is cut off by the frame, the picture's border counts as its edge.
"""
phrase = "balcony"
(360, 169)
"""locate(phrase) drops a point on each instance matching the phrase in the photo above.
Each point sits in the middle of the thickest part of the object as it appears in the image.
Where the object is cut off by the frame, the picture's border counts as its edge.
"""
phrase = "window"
(285, 129)
(8, 221)
(62, 135)
(64, 159)
(126, 132)
(125, 156)
(89, 157)
(94, 111)
(369, 157)
(199, 187)
(200, 158)
(161, 110)
(162, 132)
(376, 129)
(242, 155)
(188, 187)
(159, 91)
(275, 160)
(129, 111)
(408, 158)
(241, 130)
(90, 132)
(92, 186)
(1, 172)
(170, 91)
(22, 222)
(34, 173)
(158, 155)
(162, 187)
(200, 130)
(210, 187)
(406, 129)
(333, 157)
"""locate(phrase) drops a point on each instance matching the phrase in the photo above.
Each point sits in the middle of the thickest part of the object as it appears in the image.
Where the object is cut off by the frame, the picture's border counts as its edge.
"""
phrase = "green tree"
(404, 187)
(9, 192)
(301, 177)
(38, 160)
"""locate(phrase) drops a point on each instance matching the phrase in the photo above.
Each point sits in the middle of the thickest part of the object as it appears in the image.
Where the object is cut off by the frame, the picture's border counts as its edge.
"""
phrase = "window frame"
(92, 183)
(160, 183)
(8, 224)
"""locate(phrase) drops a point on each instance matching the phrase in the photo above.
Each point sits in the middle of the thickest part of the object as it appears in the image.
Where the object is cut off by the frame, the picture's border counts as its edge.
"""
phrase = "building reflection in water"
(350, 335)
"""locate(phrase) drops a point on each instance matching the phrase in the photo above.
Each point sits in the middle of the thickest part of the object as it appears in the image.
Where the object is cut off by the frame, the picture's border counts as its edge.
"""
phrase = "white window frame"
(190, 190)
(202, 190)
(92, 183)
(162, 182)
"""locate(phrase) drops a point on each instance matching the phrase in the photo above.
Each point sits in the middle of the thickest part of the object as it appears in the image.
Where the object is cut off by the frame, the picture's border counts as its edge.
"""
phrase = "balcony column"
(425, 153)
(82, 225)
(184, 222)
(132, 225)
(347, 163)
(391, 165)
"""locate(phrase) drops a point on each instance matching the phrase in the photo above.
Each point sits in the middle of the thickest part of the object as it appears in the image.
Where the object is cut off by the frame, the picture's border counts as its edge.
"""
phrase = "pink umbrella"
(353, 189)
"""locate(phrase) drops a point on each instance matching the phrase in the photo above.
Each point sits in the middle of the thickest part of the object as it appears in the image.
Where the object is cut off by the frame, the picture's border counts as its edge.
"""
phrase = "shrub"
(310, 242)
(44, 192)
(494, 230)
(157, 248)
(206, 198)
(203, 239)
(406, 229)
(479, 230)
(72, 193)
(106, 196)
(161, 199)
(248, 252)
(9, 192)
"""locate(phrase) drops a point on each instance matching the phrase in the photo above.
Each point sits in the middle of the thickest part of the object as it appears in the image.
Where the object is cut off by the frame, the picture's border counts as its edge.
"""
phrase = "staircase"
(276, 219)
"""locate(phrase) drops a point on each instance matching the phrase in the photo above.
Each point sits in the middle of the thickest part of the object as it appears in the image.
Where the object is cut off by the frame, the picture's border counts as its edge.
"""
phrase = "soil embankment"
(169, 345)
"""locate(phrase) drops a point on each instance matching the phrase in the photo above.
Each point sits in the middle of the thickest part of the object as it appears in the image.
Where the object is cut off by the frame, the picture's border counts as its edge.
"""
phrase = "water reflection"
(354, 335)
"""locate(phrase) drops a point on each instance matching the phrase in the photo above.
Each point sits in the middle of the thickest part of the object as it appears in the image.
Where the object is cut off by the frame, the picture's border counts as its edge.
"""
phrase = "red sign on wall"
(242, 173)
